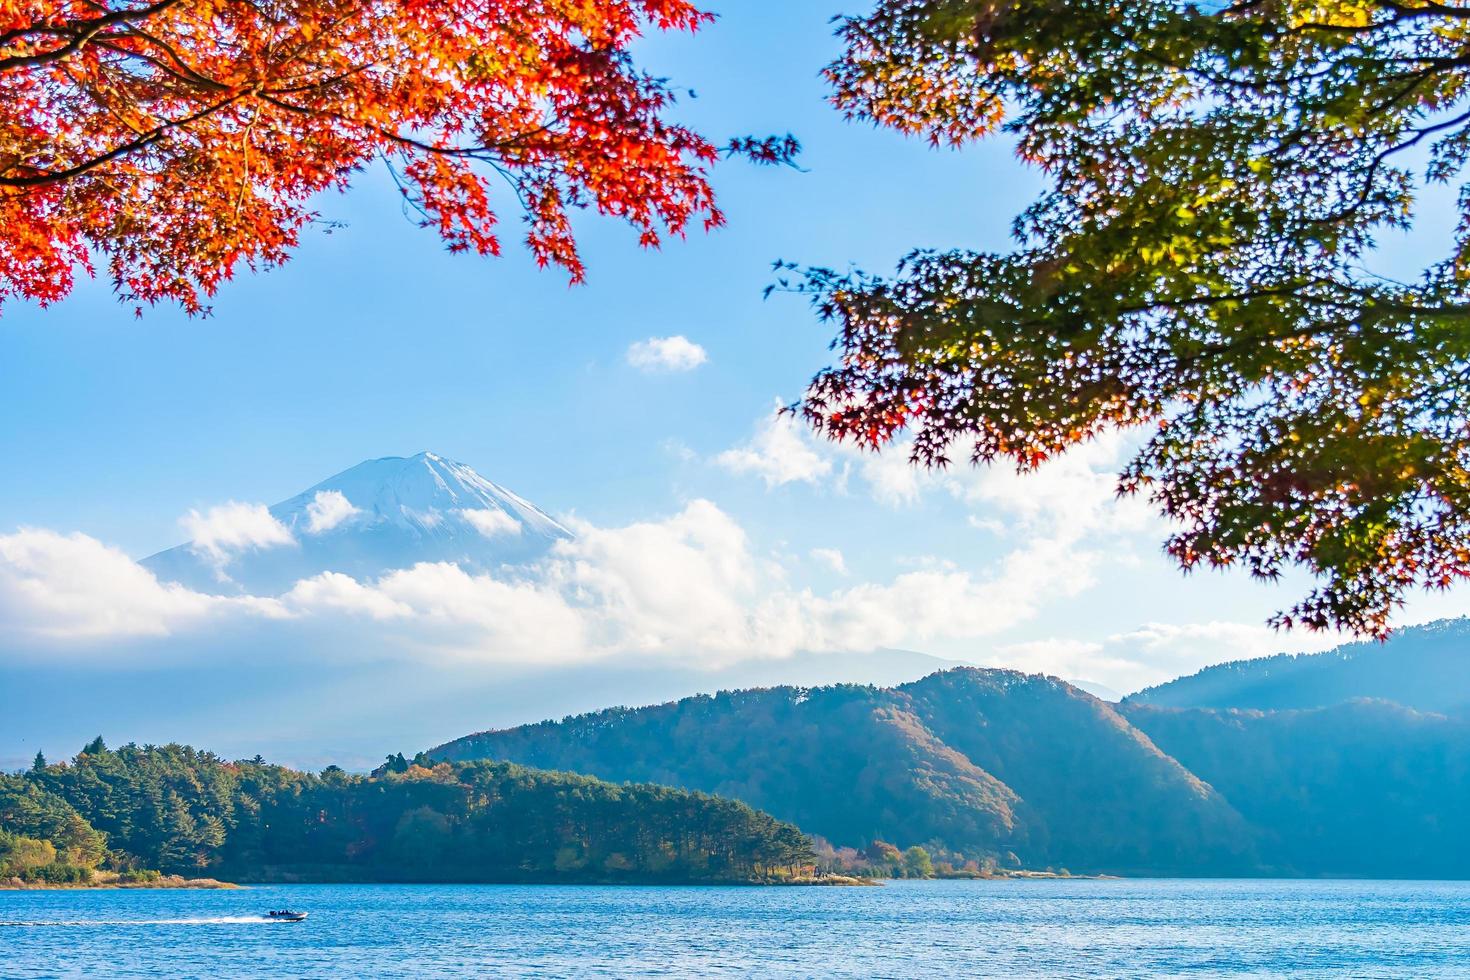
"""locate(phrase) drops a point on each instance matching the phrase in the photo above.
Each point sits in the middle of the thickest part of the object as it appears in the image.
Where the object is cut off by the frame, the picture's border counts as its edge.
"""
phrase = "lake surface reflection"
(907, 929)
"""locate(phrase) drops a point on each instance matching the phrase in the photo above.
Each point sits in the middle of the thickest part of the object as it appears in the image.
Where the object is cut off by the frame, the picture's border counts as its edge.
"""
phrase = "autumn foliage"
(1202, 267)
(180, 140)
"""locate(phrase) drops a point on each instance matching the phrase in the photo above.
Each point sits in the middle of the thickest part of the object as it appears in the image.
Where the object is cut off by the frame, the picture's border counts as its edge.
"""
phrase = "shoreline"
(102, 883)
(110, 881)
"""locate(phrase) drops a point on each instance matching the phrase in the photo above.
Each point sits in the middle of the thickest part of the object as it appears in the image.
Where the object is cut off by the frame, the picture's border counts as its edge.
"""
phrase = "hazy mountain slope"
(914, 764)
(1097, 792)
(1423, 667)
(323, 714)
(1365, 788)
(1100, 691)
(378, 516)
(847, 762)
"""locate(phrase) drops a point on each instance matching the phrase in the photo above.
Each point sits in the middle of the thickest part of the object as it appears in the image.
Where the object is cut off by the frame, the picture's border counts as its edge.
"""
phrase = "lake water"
(957, 929)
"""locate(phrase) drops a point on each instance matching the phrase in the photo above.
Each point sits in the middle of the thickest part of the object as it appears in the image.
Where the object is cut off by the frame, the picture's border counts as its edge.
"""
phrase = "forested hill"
(1365, 788)
(986, 764)
(1422, 667)
(995, 765)
(182, 811)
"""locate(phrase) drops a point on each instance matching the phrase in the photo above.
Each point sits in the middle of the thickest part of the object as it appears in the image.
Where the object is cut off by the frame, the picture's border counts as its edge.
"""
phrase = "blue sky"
(374, 341)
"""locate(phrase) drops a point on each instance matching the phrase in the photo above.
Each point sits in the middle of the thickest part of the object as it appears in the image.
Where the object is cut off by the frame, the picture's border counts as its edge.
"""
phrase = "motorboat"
(285, 915)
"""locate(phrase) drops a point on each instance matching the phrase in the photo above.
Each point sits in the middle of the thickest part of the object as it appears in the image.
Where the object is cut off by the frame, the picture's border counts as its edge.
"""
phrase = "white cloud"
(892, 477)
(832, 558)
(684, 582)
(679, 451)
(1074, 494)
(487, 618)
(1157, 652)
(491, 523)
(689, 586)
(781, 452)
(677, 353)
(343, 593)
(1162, 650)
(987, 524)
(1065, 515)
(228, 529)
(72, 587)
(328, 509)
(913, 608)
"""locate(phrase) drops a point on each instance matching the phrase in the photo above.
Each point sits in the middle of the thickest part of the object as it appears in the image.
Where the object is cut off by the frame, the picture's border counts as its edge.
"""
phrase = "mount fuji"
(378, 516)
(320, 687)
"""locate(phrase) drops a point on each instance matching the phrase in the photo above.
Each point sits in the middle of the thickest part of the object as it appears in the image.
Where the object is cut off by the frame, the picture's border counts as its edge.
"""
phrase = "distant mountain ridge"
(1423, 667)
(378, 516)
(1029, 770)
(1365, 787)
(1020, 768)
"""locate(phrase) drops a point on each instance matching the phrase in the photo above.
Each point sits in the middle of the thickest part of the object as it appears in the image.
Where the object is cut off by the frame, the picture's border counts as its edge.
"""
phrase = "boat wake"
(213, 920)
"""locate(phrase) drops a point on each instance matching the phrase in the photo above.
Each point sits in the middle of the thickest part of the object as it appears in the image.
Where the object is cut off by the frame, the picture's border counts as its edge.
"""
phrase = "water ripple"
(1010, 929)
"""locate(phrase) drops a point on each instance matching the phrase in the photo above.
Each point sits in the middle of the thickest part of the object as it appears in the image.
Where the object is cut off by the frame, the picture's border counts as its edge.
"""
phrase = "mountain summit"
(379, 516)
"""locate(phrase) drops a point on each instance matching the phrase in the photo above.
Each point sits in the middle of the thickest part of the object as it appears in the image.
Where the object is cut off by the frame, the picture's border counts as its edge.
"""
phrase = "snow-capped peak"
(427, 494)
(379, 516)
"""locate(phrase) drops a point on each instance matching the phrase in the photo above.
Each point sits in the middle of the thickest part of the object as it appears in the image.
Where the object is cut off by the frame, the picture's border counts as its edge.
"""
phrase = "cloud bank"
(1065, 528)
(690, 586)
(72, 588)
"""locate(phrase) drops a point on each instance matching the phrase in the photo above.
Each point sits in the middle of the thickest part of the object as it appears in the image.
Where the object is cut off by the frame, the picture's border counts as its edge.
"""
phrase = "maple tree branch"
(144, 141)
(481, 152)
(1371, 175)
(180, 68)
(80, 33)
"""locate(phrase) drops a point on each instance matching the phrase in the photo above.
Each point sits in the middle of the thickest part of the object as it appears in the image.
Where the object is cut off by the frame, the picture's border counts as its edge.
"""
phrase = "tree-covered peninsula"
(178, 810)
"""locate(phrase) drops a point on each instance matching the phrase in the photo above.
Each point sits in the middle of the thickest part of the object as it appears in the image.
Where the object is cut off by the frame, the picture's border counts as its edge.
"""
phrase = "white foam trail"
(200, 921)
